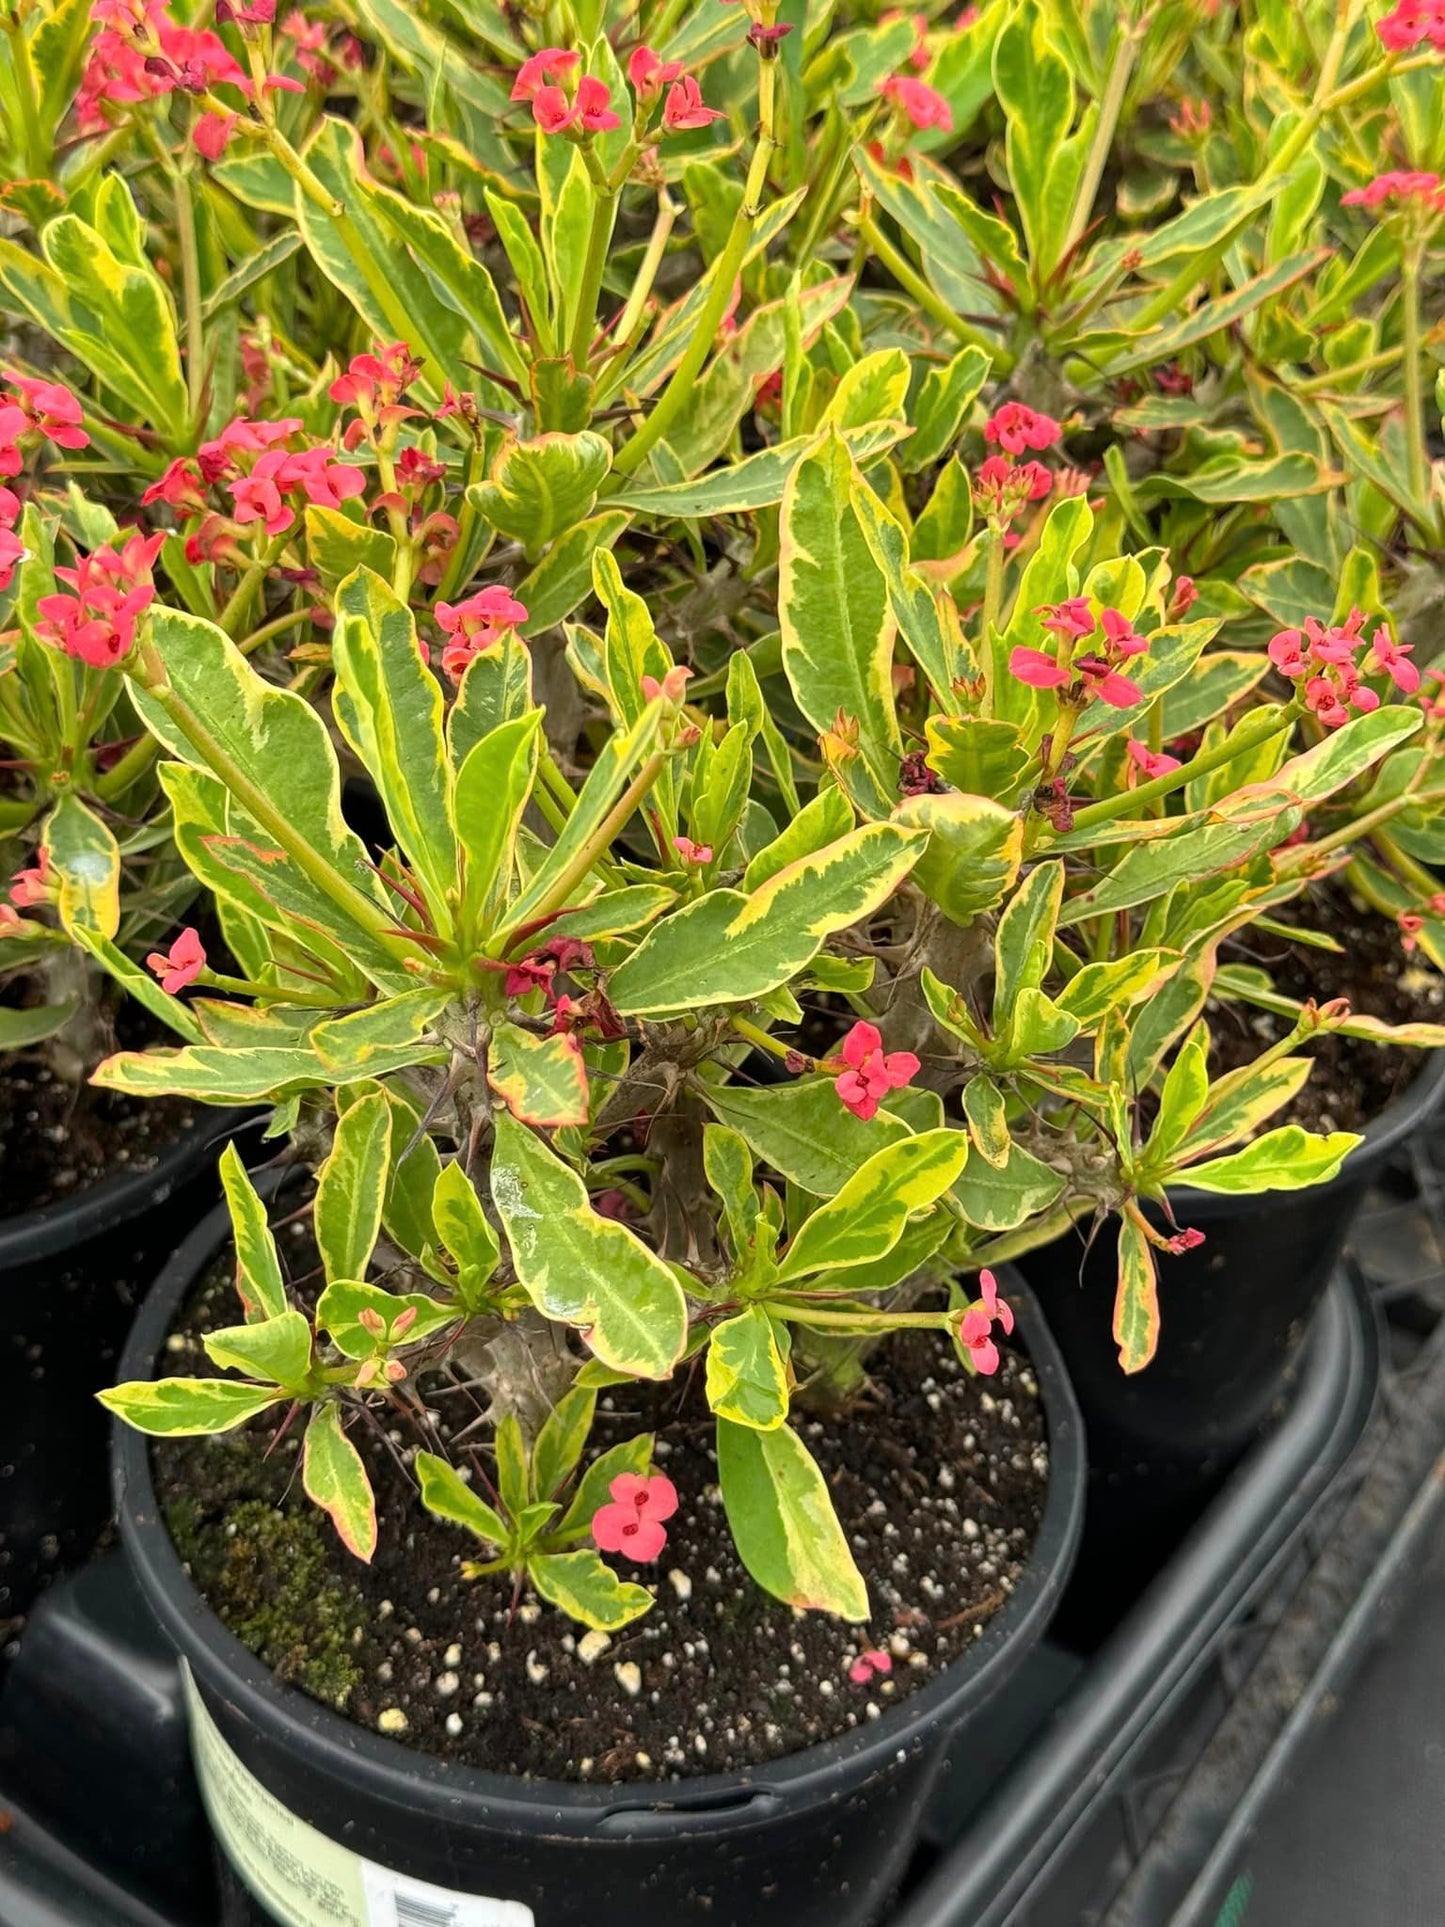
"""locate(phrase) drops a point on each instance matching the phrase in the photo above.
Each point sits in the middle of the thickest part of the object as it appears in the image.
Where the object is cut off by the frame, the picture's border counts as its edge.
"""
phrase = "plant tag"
(302, 1876)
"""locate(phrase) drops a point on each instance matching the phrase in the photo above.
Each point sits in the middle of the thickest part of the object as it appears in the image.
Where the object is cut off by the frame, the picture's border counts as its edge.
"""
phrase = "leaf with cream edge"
(465, 1232)
(975, 848)
(259, 1283)
(541, 489)
(579, 1267)
(747, 1380)
(1287, 1159)
(804, 1130)
(783, 1523)
(389, 706)
(1136, 1299)
(446, 1493)
(541, 1080)
(168, 1408)
(866, 1218)
(585, 1587)
(835, 616)
(334, 1478)
(729, 948)
(351, 1185)
(494, 786)
(86, 860)
(267, 744)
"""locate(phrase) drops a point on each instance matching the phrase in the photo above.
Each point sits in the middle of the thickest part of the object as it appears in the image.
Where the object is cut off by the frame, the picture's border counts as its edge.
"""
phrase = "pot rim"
(392, 1771)
(114, 1200)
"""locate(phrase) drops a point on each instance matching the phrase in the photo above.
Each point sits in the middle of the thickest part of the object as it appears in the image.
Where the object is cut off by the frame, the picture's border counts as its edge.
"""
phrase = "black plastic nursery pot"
(71, 1276)
(325, 1820)
(1232, 1314)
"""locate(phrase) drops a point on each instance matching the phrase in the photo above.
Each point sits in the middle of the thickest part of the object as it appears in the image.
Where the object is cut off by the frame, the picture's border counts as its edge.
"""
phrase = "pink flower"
(1151, 762)
(595, 113)
(35, 885)
(552, 110)
(1121, 635)
(1002, 488)
(685, 108)
(52, 411)
(218, 458)
(691, 852)
(650, 73)
(1107, 684)
(528, 974)
(1397, 189)
(922, 104)
(180, 488)
(551, 63)
(312, 472)
(1071, 618)
(376, 382)
(1286, 651)
(12, 554)
(210, 133)
(1033, 667)
(1186, 594)
(1389, 657)
(633, 1522)
(475, 624)
(867, 1664)
(1412, 24)
(181, 964)
(869, 1074)
(975, 1327)
(1015, 428)
(1186, 1240)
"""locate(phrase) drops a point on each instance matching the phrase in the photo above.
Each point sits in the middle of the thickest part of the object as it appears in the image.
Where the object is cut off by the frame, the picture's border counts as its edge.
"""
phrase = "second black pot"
(1232, 1313)
(305, 1802)
(71, 1276)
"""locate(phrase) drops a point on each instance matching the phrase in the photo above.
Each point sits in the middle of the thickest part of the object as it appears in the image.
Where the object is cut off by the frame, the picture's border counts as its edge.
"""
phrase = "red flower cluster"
(112, 587)
(561, 107)
(917, 102)
(251, 461)
(474, 625)
(12, 549)
(1003, 488)
(975, 1327)
(1150, 763)
(1332, 662)
(1413, 23)
(374, 385)
(140, 54)
(867, 1075)
(1094, 675)
(634, 1521)
(1399, 190)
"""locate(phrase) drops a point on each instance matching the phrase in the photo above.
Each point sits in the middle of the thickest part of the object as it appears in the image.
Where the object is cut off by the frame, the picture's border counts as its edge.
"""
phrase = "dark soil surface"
(939, 1480)
(1353, 1081)
(58, 1137)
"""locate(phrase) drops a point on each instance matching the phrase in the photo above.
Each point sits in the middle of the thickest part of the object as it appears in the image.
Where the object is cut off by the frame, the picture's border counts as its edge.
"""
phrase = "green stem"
(1419, 468)
(667, 211)
(599, 235)
(908, 278)
(680, 390)
(191, 296)
(1104, 811)
(1305, 855)
(596, 846)
(1324, 94)
(761, 1039)
(1110, 106)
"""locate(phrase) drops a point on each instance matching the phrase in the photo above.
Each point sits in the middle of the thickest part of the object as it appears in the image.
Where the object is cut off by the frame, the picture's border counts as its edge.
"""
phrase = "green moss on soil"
(265, 1572)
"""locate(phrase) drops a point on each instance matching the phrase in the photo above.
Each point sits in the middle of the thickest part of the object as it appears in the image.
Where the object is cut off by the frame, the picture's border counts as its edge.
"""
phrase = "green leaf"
(1002, 1197)
(382, 1036)
(494, 786)
(541, 1080)
(1162, 344)
(804, 1131)
(561, 1441)
(747, 1380)
(21, 1028)
(586, 1588)
(728, 1164)
(927, 621)
(865, 1219)
(729, 948)
(834, 611)
(1023, 946)
(258, 1270)
(335, 1479)
(465, 1231)
(577, 1266)
(340, 1307)
(264, 745)
(1288, 1159)
(975, 847)
(86, 860)
(351, 1185)
(543, 488)
(979, 755)
(389, 706)
(1136, 1300)
(1182, 1098)
(987, 1115)
(783, 1522)
(336, 544)
(277, 1348)
(187, 1407)
(1036, 92)
(594, 1488)
(446, 1494)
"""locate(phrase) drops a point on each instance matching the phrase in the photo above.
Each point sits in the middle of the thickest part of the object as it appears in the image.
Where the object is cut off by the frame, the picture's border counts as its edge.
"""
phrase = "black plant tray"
(1038, 1824)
